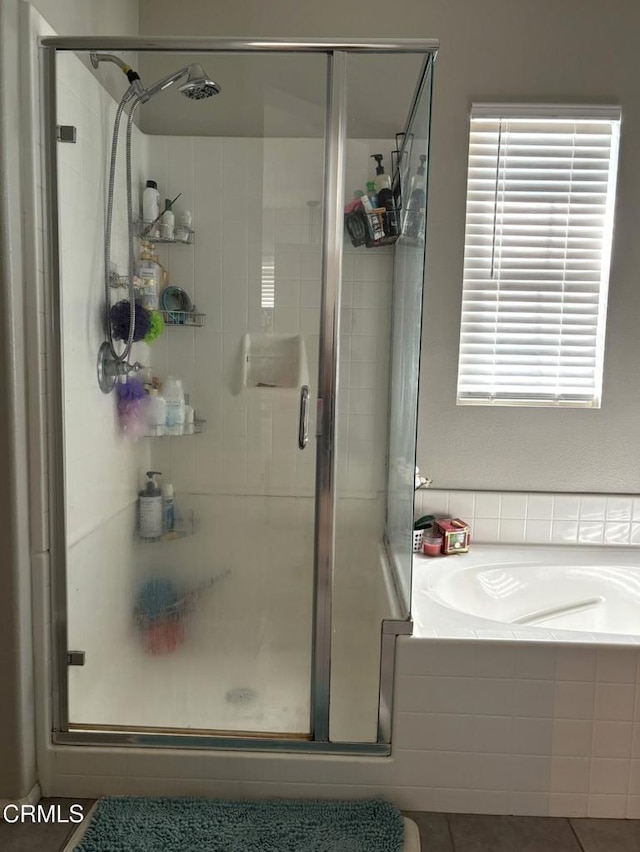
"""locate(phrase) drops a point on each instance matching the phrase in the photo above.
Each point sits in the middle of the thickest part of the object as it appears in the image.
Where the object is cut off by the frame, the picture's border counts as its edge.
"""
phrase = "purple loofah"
(133, 403)
(120, 318)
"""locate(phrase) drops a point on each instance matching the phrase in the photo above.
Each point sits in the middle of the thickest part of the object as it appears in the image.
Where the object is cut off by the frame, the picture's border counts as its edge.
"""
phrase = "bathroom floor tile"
(434, 831)
(480, 833)
(607, 835)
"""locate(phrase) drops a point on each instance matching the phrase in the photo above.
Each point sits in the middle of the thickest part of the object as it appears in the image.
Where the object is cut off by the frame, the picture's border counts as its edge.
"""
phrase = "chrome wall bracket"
(65, 133)
(109, 369)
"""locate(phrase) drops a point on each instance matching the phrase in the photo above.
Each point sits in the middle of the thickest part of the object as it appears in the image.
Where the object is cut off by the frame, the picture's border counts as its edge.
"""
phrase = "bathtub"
(535, 593)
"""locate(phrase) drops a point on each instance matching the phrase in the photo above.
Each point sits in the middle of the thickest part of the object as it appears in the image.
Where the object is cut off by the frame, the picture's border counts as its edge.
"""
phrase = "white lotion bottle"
(173, 393)
(157, 413)
(168, 222)
(184, 227)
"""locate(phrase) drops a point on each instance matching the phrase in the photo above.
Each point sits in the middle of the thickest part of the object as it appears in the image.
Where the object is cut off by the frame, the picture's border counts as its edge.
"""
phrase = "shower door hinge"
(65, 133)
(75, 658)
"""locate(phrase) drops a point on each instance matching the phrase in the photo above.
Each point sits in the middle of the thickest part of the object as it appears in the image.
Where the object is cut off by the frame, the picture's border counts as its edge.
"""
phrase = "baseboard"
(32, 798)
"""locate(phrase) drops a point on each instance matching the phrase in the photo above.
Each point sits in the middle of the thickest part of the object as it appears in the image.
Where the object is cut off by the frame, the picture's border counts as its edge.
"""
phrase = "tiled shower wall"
(537, 518)
(256, 267)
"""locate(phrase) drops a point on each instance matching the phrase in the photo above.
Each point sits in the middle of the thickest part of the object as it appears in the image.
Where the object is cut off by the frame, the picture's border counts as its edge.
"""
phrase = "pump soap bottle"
(150, 509)
(385, 198)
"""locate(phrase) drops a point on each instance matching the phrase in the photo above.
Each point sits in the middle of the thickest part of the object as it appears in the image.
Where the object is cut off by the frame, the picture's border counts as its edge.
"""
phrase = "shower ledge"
(274, 361)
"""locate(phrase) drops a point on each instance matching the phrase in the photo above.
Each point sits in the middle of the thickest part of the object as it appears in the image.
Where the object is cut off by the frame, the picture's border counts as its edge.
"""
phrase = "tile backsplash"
(511, 517)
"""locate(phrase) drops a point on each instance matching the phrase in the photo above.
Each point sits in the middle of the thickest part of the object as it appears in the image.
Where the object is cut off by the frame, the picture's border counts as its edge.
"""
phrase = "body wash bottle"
(150, 509)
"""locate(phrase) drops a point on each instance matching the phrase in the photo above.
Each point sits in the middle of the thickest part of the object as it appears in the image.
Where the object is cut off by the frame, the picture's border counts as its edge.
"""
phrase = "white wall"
(17, 761)
(538, 51)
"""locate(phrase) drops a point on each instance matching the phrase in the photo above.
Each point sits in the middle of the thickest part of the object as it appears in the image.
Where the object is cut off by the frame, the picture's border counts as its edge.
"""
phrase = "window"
(539, 225)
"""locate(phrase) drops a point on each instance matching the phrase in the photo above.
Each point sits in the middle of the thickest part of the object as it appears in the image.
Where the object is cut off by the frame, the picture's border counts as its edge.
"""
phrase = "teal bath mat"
(214, 825)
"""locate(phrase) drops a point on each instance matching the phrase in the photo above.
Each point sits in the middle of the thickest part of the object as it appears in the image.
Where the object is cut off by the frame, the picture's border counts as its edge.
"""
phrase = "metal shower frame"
(337, 52)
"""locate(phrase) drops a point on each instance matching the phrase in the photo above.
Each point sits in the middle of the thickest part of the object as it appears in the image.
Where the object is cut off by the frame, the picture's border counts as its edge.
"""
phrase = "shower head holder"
(110, 369)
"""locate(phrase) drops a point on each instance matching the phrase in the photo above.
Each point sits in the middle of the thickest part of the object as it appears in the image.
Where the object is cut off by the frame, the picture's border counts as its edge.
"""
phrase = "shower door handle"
(303, 423)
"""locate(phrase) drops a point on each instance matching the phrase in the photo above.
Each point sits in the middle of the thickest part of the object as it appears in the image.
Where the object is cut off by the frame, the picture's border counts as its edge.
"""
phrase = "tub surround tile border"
(559, 736)
(535, 518)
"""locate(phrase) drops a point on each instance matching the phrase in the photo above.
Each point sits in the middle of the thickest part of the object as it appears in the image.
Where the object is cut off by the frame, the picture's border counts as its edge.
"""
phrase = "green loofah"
(157, 327)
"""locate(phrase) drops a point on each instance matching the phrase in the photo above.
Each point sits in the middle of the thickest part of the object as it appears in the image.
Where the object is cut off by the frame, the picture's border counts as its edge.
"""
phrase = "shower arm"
(132, 76)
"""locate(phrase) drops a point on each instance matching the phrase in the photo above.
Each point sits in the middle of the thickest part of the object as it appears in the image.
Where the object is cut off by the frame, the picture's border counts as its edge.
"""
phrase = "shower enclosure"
(265, 615)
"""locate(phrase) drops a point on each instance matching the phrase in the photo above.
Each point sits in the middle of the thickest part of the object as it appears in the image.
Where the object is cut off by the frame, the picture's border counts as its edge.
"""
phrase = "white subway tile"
(608, 775)
(593, 508)
(607, 806)
(614, 701)
(540, 507)
(617, 665)
(568, 804)
(590, 532)
(566, 507)
(512, 531)
(574, 700)
(487, 505)
(572, 737)
(612, 739)
(575, 663)
(537, 532)
(513, 506)
(564, 532)
(534, 698)
(619, 508)
(617, 533)
(569, 775)
(486, 529)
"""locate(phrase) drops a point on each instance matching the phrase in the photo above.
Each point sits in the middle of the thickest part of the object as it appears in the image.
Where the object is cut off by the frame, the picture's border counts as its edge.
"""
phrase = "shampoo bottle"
(150, 508)
(151, 207)
(157, 413)
(173, 393)
(385, 198)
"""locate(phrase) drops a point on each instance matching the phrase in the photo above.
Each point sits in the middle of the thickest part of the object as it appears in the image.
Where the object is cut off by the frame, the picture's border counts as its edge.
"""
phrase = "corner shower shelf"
(190, 318)
(183, 236)
(198, 428)
(184, 527)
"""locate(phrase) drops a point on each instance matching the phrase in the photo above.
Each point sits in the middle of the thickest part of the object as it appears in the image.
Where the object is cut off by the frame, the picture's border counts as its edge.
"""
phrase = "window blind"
(539, 225)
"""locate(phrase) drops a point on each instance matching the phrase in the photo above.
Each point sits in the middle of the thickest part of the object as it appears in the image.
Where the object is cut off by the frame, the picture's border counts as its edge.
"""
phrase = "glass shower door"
(208, 627)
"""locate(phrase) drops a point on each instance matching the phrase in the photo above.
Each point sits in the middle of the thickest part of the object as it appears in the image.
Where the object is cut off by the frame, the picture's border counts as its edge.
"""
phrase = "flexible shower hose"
(128, 96)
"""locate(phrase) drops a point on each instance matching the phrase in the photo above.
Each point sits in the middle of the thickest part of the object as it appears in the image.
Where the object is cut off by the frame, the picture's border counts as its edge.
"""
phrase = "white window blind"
(539, 225)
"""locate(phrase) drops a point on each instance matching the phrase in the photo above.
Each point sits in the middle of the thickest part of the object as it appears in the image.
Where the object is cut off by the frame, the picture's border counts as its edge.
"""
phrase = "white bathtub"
(574, 594)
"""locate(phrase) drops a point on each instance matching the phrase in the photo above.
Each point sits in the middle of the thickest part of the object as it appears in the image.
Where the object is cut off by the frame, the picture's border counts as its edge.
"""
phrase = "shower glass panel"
(376, 121)
(408, 283)
(207, 627)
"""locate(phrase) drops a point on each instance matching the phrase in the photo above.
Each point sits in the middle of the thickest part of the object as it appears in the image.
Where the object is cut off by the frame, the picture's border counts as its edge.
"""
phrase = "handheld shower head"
(198, 85)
